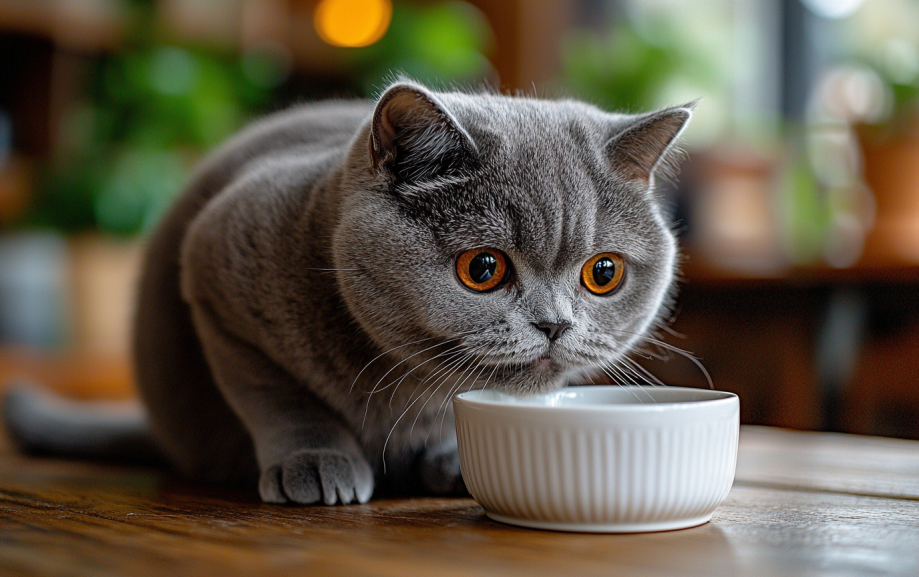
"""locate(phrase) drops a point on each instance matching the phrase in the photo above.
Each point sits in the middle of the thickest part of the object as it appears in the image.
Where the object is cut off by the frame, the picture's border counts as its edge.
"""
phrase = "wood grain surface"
(832, 462)
(803, 504)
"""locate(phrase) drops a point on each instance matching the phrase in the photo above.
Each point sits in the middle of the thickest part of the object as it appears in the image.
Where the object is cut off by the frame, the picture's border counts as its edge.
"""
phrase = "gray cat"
(336, 272)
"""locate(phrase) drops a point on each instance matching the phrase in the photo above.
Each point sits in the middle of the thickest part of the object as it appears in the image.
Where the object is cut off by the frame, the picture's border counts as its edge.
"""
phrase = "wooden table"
(802, 504)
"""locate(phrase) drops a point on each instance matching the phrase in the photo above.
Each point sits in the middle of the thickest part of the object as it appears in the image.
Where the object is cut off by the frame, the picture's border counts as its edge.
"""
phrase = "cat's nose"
(553, 330)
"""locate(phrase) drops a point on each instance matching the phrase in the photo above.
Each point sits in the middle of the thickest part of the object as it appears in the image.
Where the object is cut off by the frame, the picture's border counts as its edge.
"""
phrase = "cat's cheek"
(471, 310)
(616, 317)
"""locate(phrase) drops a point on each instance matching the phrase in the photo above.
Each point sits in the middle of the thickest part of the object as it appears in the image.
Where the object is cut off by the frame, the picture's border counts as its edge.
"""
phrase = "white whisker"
(468, 358)
(405, 411)
(374, 390)
(448, 358)
(450, 362)
(686, 354)
(453, 391)
(380, 355)
(627, 387)
(413, 369)
(640, 372)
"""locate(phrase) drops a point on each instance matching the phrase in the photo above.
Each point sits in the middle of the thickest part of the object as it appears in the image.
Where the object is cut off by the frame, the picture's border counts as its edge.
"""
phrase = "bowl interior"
(600, 395)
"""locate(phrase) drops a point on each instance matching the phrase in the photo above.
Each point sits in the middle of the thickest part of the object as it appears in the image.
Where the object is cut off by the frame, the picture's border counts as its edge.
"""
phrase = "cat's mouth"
(539, 371)
(544, 364)
(530, 376)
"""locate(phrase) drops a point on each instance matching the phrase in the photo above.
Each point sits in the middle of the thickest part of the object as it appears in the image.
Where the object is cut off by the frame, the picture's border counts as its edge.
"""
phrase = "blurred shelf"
(525, 31)
(93, 26)
(697, 272)
(88, 25)
(16, 176)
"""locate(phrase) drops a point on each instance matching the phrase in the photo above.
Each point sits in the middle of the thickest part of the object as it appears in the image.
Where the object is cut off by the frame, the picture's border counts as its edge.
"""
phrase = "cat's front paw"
(318, 475)
(440, 471)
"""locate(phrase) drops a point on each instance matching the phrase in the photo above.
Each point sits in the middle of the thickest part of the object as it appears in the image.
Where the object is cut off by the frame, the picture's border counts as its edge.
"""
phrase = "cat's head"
(523, 232)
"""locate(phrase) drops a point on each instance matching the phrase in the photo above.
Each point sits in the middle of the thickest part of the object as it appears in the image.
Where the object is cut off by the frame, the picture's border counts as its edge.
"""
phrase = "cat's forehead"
(542, 186)
(495, 110)
(553, 222)
(540, 144)
(555, 213)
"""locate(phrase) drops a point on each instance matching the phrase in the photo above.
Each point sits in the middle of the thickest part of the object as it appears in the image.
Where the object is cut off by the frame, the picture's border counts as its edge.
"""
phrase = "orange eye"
(602, 273)
(481, 269)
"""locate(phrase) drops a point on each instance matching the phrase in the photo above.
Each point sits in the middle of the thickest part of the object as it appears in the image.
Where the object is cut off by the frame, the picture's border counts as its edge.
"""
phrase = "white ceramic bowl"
(599, 458)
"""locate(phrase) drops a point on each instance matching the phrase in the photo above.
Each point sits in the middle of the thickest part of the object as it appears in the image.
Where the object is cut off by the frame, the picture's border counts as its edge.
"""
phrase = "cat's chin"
(534, 378)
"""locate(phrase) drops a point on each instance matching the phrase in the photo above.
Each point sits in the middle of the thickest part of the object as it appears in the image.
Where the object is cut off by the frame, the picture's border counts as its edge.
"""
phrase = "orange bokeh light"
(352, 23)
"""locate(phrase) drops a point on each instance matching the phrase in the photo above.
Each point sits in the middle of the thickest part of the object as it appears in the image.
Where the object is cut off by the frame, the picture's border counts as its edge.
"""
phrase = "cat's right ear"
(413, 137)
(647, 145)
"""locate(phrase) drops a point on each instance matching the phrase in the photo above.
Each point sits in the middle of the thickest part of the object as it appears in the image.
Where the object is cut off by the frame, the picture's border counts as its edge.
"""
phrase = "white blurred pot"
(34, 303)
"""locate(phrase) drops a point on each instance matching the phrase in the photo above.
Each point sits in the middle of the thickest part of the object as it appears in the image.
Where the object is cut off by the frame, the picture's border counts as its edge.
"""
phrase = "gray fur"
(300, 316)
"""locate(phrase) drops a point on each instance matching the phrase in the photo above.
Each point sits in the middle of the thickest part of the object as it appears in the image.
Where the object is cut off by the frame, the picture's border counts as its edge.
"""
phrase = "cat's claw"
(318, 476)
(440, 471)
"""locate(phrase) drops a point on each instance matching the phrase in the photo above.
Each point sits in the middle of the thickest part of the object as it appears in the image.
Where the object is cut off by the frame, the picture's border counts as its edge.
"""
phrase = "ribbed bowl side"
(588, 476)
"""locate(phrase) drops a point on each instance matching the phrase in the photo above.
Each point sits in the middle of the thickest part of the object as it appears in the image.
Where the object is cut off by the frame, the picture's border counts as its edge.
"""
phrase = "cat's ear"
(647, 145)
(414, 137)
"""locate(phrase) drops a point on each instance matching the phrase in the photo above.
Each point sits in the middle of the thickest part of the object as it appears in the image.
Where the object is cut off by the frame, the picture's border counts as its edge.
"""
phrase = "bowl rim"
(718, 398)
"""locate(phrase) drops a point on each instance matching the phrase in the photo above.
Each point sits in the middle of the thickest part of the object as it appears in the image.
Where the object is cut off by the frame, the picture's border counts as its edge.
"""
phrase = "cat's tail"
(41, 423)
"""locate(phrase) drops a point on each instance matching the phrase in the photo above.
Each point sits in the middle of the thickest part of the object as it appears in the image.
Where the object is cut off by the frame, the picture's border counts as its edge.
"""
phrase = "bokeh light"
(352, 23)
(834, 9)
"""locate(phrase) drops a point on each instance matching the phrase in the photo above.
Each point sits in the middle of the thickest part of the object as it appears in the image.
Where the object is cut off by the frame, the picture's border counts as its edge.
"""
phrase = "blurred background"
(798, 209)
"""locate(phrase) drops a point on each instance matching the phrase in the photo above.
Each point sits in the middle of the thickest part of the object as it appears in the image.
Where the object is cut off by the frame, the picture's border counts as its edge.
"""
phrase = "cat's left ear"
(414, 137)
(646, 146)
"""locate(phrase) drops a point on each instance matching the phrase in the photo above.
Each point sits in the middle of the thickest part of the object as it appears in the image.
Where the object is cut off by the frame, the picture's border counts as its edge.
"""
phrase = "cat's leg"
(191, 420)
(439, 469)
(438, 464)
(305, 453)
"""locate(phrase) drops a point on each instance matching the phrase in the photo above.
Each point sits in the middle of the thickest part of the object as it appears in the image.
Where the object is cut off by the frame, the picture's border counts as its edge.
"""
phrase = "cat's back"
(171, 374)
(303, 130)
(307, 128)
(317, 125)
